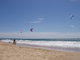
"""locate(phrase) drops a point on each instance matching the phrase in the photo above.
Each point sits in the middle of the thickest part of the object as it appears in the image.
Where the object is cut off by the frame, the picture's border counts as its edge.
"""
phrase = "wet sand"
(9, 51)
(67, 49)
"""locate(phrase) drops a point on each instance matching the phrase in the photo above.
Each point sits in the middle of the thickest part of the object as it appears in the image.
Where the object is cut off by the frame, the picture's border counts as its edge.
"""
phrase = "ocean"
(72, 45)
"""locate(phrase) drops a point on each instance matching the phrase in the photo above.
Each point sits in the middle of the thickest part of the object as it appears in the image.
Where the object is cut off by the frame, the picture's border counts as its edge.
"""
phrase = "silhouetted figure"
(14, 41)
(31, 29)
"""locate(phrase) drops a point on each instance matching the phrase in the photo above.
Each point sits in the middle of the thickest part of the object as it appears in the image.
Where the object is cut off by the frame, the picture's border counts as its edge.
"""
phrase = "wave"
(65, 44)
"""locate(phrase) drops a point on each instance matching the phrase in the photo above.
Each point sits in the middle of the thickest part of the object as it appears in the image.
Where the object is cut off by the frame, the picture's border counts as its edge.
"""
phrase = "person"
(14, 41)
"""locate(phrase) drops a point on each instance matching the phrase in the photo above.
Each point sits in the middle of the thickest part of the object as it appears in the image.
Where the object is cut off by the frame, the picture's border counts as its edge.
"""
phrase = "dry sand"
(12, 52)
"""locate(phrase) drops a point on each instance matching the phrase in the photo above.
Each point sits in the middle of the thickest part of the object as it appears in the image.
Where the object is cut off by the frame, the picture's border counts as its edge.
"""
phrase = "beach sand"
(9, 51)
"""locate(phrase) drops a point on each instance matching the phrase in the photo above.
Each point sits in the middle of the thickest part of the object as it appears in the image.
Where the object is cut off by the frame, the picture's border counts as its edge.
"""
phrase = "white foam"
(52, 43)
(6, 40)
(65, 44)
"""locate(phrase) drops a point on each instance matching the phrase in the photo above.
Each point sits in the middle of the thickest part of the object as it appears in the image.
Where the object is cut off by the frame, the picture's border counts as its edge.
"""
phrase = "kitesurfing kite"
(31, 30)
(71, 17)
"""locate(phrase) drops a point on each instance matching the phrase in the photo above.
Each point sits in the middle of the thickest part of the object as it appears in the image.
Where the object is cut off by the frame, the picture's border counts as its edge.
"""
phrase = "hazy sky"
(39, 35)
(42, 15)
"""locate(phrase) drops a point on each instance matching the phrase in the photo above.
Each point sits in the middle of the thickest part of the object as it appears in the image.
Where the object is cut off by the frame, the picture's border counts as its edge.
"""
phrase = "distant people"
(14, 42)
(9, 42)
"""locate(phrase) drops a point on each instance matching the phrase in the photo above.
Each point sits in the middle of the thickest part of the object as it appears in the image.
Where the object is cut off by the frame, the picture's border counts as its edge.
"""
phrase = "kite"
(31, 29)
(71, 17)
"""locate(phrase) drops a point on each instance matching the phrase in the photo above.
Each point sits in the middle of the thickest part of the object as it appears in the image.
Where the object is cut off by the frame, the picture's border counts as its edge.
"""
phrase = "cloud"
(35, 22)
(39, 20)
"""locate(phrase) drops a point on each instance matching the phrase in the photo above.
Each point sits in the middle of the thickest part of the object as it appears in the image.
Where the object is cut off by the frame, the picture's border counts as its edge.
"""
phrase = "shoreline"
(51, 47)
(58, 48)
(9, 51)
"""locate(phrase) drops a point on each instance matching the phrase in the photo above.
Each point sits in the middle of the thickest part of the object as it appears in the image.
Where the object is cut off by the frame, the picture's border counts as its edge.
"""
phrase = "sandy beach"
(12, 52)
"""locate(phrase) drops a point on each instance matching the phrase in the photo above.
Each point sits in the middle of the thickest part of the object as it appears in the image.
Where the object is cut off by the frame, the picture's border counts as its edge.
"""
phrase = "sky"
(62, 16)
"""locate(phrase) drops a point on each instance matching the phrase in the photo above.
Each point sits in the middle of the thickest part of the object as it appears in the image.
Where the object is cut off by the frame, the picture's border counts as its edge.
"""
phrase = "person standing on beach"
(14, 41)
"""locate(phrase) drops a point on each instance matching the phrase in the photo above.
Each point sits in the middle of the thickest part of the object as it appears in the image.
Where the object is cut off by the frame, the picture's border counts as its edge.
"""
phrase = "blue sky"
(42, 15)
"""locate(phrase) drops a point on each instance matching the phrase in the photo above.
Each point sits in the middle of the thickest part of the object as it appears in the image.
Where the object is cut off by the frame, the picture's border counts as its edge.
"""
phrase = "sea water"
(57, 44)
